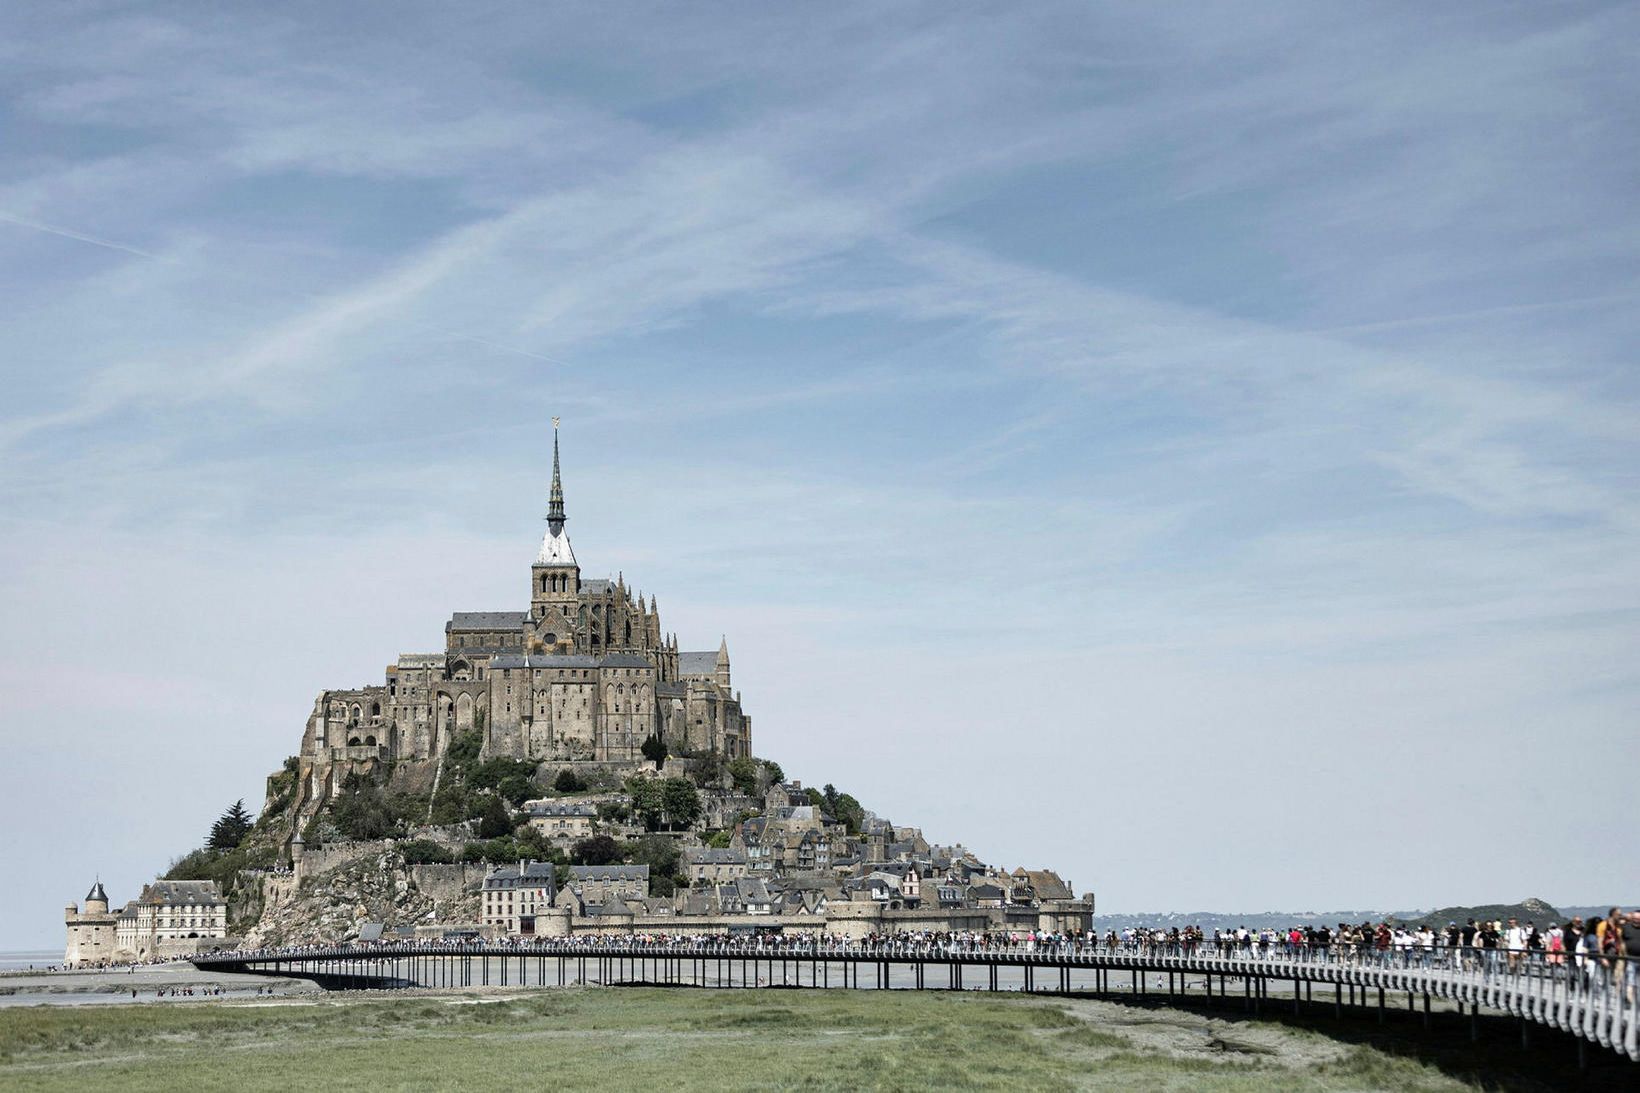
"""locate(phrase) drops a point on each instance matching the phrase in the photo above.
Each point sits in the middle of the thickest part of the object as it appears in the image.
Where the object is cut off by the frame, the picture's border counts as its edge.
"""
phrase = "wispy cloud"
(1197, 377)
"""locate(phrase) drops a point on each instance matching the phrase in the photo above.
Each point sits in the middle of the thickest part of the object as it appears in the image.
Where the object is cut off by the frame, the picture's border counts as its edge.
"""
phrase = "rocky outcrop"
(333, 905)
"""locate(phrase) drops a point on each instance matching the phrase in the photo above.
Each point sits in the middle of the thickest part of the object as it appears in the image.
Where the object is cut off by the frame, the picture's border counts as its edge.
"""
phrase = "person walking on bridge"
(1514, 940)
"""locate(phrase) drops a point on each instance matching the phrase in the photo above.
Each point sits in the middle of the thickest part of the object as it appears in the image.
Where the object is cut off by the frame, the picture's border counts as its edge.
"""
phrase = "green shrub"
(425, 852)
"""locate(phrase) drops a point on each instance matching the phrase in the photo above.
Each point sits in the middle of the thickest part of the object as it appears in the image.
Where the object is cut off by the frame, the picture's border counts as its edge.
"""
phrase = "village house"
(513, 895)
(709, 865)
(599, 884)
(563, 820)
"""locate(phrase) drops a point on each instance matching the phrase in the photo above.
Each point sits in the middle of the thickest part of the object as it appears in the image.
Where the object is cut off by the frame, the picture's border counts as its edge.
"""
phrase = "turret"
(96, 900)
(722, 671)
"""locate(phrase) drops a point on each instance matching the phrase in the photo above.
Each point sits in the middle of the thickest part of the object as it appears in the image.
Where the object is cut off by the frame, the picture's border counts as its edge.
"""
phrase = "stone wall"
(322, 859)
(448, 882)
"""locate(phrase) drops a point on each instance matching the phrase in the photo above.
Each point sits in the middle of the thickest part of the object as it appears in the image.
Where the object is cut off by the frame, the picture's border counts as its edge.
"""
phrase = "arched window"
(375, 709)
(370, 741)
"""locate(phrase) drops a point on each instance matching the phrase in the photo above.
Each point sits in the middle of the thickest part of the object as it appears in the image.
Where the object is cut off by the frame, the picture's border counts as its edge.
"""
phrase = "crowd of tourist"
(1611, 942)
(1605, 946)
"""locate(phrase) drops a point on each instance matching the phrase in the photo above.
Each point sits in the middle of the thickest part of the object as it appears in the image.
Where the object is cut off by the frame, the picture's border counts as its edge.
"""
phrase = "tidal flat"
(613, 1039)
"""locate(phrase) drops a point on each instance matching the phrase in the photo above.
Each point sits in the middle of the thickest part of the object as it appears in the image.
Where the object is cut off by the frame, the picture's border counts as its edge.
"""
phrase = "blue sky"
(1128, 439)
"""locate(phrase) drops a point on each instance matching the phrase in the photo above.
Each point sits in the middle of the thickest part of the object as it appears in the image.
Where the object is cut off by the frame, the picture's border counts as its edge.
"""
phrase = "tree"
(424, 851)
(493, 821)
(567, 782)
(772, 769)
(719, 840)
(597, 850)
(513, 779)
(680, 802)
(360, 811)
(743, 771)
(647, 803)
(850, 812)
(654, 749)
(229, 831)
(661, 855)
(494, 851)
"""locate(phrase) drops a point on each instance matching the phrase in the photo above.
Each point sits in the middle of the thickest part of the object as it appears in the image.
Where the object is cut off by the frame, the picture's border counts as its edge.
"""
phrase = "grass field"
(675, 1040)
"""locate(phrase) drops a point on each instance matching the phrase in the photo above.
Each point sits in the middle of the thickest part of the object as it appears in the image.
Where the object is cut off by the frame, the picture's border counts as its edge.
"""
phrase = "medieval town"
(560, 771)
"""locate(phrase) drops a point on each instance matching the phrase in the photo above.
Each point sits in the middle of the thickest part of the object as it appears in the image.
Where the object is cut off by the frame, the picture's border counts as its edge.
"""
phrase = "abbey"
(584, 674)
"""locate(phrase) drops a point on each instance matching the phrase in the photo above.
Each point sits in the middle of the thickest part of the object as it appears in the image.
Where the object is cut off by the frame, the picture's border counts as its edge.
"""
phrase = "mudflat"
(148, 980)
(680, 1040)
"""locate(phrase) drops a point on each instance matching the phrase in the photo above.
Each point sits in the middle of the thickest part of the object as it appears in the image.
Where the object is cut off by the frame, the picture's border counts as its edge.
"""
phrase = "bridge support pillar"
(1426, 1009)
(1381, 1017)
(1297, 996)
(1338, 1000)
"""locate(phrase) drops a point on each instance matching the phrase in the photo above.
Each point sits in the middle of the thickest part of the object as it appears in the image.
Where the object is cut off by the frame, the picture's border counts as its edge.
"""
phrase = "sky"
(1194, 449)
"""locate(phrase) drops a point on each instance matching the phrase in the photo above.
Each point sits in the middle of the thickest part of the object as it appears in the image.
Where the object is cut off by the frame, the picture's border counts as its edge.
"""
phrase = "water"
(20, 960)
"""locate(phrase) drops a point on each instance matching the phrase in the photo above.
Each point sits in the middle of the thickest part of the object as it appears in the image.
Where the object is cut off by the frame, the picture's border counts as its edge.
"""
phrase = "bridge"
(1593, 1000)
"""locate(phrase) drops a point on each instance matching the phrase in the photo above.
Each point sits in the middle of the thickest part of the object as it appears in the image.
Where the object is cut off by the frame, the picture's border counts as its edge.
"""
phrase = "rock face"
(333, 905)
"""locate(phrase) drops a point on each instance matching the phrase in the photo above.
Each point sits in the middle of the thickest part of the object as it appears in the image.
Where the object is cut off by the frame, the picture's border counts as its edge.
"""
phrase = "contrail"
(81, 236)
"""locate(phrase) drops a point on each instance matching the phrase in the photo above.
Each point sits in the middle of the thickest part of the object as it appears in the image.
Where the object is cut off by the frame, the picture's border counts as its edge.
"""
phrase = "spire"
(555, 548)
(555, 507)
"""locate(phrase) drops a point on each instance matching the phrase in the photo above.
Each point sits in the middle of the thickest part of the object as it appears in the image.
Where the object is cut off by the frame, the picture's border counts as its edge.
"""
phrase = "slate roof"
(697, 664)
(486, 620)
(570, 808)
(711, 855)
(543, 660)
(536, 874)
(180, 891)
(97, 892)
(671, 690)
(596, 587)
(609, 872)
(624, 660)
(1044, 882)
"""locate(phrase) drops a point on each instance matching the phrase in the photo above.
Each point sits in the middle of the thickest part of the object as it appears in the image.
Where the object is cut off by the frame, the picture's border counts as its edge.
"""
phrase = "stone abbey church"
(585, 674)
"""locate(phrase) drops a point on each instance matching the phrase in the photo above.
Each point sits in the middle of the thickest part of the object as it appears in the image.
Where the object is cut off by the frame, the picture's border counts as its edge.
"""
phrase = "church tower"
(555, 578)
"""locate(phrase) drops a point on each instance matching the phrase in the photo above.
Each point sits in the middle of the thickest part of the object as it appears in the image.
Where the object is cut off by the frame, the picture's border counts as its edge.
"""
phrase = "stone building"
(597, 884)
(169, 912)
(170, 918)
(515, 897)
(584, 673)
(562, 820)
(708, 865)
(91, 937)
